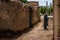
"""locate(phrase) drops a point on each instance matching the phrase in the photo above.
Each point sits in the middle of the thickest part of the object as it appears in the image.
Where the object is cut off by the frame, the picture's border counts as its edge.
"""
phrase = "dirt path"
(38, 33)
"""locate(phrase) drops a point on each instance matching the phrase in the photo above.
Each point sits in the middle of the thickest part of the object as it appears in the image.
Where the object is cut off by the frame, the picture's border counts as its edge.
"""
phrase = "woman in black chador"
(45, 21)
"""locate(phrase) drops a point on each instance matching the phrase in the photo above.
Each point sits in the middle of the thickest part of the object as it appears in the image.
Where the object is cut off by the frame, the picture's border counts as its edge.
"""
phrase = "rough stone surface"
(56, 20)
(35, 16)
(13, 16)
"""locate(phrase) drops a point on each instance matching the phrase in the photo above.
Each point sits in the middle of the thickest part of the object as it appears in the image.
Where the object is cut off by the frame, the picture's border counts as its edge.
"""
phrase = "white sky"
(33, 0)
(42, 2)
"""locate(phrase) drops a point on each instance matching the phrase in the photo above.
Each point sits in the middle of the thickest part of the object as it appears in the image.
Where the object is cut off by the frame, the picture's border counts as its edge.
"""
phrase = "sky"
(42, 2)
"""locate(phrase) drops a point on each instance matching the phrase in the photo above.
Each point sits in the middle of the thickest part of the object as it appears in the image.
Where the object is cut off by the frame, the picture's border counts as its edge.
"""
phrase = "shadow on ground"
(10, 35)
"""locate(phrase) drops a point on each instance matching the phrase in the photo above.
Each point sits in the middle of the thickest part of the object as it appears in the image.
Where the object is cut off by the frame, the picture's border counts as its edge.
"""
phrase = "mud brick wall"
(56, 19)
(34, 15)
(25, 13)
(12, 16)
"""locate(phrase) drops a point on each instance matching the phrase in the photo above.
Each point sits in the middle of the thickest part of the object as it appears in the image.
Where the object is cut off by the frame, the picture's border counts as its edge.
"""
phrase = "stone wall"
(34, 15)
(56, 19)
(13, 16)
(34, 12)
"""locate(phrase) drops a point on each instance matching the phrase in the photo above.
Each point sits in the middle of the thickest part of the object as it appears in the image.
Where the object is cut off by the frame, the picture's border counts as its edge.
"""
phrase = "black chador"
(45, 21)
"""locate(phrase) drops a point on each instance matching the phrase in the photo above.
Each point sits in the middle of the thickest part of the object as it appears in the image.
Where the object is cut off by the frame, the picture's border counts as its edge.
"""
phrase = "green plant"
(42, 9)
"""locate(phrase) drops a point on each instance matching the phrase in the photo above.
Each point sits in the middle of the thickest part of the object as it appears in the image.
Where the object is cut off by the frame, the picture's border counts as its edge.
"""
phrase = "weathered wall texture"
(35, 15)
(56, 19)
(13, 16)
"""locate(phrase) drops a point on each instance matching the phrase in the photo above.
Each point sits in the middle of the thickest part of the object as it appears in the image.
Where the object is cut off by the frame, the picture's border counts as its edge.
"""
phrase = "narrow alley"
(38, 33)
